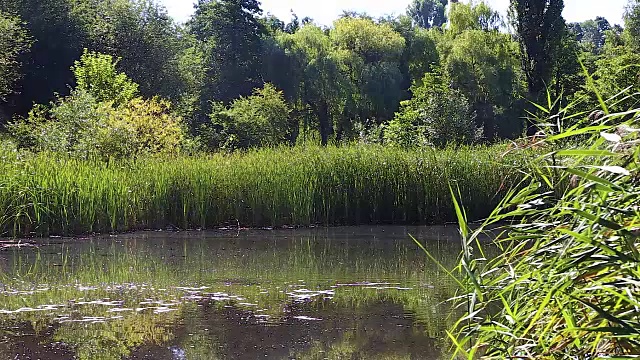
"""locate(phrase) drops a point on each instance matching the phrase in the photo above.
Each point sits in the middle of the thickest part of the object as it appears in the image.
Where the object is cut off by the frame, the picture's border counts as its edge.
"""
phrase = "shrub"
(82, 127)
(101, 118)
(437, 115)
(139, 127)
(255, 121)
(96, 73)
(65, 127)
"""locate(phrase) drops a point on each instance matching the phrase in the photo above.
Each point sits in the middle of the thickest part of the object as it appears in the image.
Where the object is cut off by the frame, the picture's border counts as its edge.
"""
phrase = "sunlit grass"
(43, 194)
(567, 282)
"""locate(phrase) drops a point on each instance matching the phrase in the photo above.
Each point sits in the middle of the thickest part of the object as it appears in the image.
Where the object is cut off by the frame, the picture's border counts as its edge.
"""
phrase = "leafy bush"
(139, 127)
(437, 115)
(65, 127)
(255, 121)
(82, 127)
(101, 118)
(96, 74)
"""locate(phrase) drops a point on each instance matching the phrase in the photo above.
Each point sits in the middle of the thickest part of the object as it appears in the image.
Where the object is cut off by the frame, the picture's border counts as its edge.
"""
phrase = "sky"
(325, 11)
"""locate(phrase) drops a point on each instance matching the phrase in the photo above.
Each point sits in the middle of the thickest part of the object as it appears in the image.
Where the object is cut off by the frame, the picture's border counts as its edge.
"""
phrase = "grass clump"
(567, 282)
(46, 194)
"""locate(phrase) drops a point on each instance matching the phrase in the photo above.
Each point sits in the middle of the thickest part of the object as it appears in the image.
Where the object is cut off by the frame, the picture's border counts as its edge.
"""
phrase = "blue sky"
(325, 11)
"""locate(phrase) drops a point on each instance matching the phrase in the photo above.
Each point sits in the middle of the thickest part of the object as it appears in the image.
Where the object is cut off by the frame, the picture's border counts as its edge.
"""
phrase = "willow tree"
(371, 54)
(320, 81)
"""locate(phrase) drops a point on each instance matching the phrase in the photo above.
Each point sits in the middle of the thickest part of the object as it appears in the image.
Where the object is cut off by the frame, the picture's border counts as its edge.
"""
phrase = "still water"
(340, 293)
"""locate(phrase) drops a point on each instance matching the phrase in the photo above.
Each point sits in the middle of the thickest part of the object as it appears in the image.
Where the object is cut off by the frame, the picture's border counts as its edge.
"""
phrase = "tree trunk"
(325, 123)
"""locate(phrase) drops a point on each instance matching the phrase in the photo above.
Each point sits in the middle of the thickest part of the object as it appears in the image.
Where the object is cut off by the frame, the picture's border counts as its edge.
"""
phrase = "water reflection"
(346, 293)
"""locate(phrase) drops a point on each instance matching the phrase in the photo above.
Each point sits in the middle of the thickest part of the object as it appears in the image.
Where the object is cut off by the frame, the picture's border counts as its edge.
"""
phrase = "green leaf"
(581, 131)
(596, 179)
(586, 152)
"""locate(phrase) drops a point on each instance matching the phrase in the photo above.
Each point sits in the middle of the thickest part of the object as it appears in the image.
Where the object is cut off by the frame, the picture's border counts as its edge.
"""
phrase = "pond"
(324, 293)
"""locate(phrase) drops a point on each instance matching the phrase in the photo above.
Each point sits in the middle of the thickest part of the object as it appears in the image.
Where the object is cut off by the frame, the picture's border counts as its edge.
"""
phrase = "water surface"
(340, 293)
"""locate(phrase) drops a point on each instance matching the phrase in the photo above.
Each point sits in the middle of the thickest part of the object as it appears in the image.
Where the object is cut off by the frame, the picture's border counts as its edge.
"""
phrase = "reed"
(44, 194)
(565, 285)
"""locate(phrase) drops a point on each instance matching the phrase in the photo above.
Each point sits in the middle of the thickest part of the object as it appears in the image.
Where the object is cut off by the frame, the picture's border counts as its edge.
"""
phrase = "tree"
(539, 26)
(483, 65)
(632, 24)
(423, 54)
(428, 13)
(234, 59)
(141, 34)
(371, 53)
(320, 79)
(261, 119)
(293, 25)
(473, 17)
(96, 74)
(594, 33)
(436, 115)
(14, 43)
(568, 75)
(58, 42)
(102, 117)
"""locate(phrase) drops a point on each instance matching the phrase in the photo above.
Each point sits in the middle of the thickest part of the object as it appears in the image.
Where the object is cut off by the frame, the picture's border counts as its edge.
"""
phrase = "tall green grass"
(567, 282)
(42, 194)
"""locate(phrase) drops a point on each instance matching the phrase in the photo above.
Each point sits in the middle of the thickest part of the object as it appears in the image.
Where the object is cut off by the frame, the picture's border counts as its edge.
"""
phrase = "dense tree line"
(236, 78)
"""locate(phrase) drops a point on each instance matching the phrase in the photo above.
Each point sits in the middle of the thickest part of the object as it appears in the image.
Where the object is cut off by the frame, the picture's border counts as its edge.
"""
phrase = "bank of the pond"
(44, 194)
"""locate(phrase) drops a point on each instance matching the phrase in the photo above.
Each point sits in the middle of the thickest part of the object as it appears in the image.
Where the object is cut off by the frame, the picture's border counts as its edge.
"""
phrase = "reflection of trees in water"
(376, 331)
(213, 330)
(357, 323)
(109, 340)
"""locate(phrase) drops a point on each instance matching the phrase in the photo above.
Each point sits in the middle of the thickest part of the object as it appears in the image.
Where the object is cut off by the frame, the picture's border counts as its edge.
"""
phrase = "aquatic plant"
(567, 282)
(45, 194)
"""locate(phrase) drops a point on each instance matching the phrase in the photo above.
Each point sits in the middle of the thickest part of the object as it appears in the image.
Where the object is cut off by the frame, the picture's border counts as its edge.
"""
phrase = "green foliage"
(428, 13)
(141, 34)
(616, 73)
(321, 83)
(539, 26)
(565, 284)
(366, 39)
(96, 74)
(269, 187)
(255, 121)
(66, 127)
(58, 42)
(423, 54)
(234, 57)
(473, 17)
(101, 118)
(632, 24)
(483, 66)
(139, 127)
(192, 73)
(82, 127)
(437, 115)
(592, 34)
(370, 55)
(568, 74)
(14, 43)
